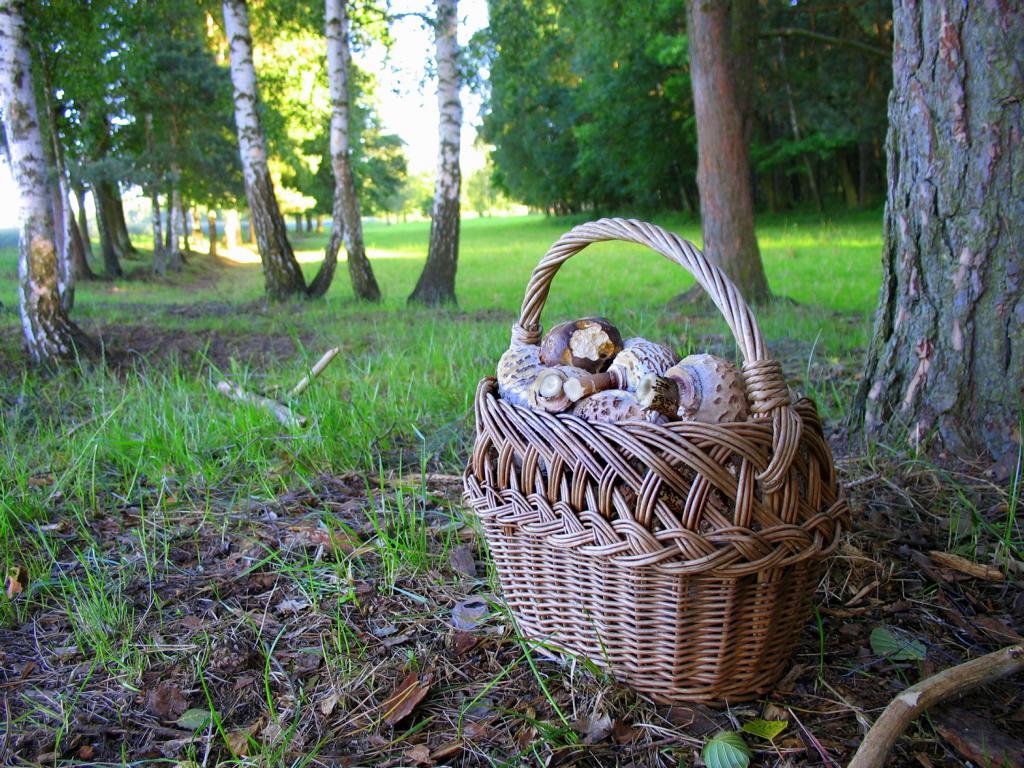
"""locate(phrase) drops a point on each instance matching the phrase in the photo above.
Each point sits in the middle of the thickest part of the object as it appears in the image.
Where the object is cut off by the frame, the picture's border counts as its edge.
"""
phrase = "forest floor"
(190, 583)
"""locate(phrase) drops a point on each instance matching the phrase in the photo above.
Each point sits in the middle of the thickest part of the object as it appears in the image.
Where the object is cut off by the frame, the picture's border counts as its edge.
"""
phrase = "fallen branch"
(282, 412)
(917, 698)
(315, 371)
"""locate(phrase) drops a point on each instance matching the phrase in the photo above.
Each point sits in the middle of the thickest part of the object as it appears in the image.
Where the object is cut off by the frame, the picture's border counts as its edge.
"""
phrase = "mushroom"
(517, 372)
(702, 388)
(614, 405)
(637, 359)
(559, 387)
(589, 343)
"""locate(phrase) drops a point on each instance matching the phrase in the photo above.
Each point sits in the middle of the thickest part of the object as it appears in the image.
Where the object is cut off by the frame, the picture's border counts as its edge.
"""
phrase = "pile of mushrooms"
(584, 367)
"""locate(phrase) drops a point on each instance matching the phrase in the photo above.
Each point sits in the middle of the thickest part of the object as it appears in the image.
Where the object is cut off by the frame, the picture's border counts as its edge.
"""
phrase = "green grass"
(111, 473)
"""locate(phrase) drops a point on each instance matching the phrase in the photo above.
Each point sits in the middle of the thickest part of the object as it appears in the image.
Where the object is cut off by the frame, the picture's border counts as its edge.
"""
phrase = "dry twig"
(315, 371)
(917, 698)
(281, 412)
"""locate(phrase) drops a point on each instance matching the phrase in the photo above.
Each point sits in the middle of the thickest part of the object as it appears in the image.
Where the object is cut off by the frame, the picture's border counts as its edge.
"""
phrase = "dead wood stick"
(315, 371)
(917, 698)
(282, 412)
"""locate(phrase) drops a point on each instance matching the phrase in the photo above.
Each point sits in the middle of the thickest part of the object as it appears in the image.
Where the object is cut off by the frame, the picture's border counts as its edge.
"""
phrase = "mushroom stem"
(578, 387)
(659, 394)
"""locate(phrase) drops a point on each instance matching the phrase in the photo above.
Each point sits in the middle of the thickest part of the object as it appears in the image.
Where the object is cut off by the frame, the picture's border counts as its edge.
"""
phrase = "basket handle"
(766, 386)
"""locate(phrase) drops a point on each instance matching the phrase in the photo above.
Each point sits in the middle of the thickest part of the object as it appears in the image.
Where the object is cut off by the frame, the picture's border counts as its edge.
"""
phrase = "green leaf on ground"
(887, 643)
(726, 750)
(193, 719)
(765, 729)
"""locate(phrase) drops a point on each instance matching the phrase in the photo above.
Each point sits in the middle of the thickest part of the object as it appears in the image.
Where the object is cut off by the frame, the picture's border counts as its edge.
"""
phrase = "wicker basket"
(681, 558)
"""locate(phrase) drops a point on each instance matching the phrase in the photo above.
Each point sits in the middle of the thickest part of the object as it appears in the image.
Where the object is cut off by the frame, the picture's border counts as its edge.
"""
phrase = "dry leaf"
(469, 613)
(464, 642)
(328, 704)
(400, 704)
(462, 560)
(166, 701)
(86, 752)
(419, 754)
(446, 750)
(624, 733)
(595, 728)
(17, 580)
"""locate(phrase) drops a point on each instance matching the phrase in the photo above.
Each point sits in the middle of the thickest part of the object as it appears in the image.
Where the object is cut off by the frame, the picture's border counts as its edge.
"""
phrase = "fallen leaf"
(726, 750)
(328, 704)
(903, 647)
(696, 719)
(193, 719)
(419, 754)
(446, 750)
(765, 729)
(624, 733)
(166, 701)
(595, 728)
(238, 743)
(292, 605)
(469, 613)
(86, 752)
(17, 580)
(464, 642)
(462, 560)
(41, 481)
(400, 704)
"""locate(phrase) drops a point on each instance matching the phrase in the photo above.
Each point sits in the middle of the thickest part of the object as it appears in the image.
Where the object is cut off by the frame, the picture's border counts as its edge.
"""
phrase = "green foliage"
(768, 730)
(896, 645)
(726, 750)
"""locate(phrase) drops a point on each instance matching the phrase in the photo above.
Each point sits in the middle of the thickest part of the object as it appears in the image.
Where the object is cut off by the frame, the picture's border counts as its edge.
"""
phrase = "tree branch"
(917, 698)
(829, 39)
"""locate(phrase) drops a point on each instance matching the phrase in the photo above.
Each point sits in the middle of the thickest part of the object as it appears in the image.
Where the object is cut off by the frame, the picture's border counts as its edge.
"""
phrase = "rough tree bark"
(49, 334)
(723, 168)
(106, 220)
(83, 222)
(946, 364)
(281, 271)
(436, 284)
(347, 218)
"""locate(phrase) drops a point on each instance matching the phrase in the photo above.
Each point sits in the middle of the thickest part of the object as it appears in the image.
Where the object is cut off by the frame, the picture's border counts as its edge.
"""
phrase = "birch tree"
(346, 214)
(49, 334)
(281, 271)
(436, 284)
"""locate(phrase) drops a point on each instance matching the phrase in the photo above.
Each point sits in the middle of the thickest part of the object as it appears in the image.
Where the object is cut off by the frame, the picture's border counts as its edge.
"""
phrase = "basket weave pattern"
(681, 557)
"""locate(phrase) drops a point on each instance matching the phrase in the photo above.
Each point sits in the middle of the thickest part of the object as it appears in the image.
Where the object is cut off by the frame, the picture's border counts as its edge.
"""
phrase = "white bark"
(346, 214)
(449, 176)
(243, 77)
(281, 271)
(48, 334)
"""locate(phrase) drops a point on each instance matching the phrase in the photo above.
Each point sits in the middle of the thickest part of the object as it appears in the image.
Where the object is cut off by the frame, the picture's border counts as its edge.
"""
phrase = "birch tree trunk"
(347, 218)
(946, 364)
(723, 168)
(281, 271)
(49, 334)
(436, 284)
(232, 229)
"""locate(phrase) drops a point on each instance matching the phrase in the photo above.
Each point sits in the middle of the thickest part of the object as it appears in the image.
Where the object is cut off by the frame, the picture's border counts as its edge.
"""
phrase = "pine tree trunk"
(347, 219)
(846, 179)
(211, 229)
(946, 364)
(124, 241)
(49, 334)
(723, 168)
(106, 218)
(309, 221)
(436, 284)
(281, 271)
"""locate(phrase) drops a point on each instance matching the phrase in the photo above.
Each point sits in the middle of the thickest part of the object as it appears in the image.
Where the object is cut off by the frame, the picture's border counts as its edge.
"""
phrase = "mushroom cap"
(517, 371)
(589, 343)
(640, 357)
(612, 405)
(711, 389)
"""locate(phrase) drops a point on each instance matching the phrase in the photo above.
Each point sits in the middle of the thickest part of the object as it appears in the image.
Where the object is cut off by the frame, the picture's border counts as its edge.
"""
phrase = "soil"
(224, 599)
